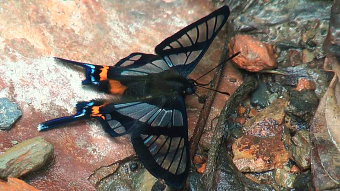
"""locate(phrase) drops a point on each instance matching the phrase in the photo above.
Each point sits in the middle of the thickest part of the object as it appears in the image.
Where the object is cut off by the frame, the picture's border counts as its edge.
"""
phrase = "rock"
(305, 84)
(276, 111)
(260, 97)
(102, 173)
(125, 178)
(255, 55)
(303, 182)
(14, 184)
(303, 104)
(332, 42)
(307, 56)
(261, 148)
(9, 113)
(284, 178)
(301, 149)
(258, 154)
(25, 157)
(284, 23)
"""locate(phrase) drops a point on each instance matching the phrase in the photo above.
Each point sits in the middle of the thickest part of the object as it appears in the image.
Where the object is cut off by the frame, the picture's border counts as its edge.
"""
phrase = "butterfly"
(152, 89)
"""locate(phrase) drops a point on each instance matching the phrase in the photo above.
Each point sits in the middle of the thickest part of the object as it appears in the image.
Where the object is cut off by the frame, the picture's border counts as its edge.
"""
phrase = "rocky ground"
(278, 129)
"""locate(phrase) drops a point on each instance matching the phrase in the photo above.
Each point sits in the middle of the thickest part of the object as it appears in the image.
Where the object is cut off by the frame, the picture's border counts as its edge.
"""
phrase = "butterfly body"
(152, 91)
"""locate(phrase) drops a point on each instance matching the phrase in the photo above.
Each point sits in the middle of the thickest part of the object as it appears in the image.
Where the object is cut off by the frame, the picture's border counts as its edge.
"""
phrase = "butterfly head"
(190, 87)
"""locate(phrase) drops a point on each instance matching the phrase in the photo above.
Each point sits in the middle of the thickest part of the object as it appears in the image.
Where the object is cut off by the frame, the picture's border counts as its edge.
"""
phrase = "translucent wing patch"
(120, 119)
(139, 64)
(184, 49)
(164, 150)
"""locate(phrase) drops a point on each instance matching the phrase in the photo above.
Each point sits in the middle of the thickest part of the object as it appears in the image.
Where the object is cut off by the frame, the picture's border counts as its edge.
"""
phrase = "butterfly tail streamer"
(84, 111)
(94, 73)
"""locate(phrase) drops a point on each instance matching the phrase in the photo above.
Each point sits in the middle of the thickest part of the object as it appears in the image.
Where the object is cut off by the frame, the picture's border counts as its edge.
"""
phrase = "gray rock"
(25, 157)
(301, 149)
(303, 104)
(284, 178)
(261, 96)
(9, 113)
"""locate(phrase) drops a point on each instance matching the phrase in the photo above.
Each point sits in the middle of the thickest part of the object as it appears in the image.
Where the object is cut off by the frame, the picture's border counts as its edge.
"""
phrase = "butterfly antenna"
(233, 56)
(225, 93)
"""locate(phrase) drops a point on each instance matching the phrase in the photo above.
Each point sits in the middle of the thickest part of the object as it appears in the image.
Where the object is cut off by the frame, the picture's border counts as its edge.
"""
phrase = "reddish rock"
(255, 55)
(240, 120)
(255, 154)
(295, 169)
(198, 159)
(14, 184)
(305, 84)
(295, 57)
(241, 110)
(202, 169)
(252, 112)
(261, 147)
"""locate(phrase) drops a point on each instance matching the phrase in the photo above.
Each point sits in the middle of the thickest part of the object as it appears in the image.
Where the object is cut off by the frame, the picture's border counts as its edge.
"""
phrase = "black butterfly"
(152, 90)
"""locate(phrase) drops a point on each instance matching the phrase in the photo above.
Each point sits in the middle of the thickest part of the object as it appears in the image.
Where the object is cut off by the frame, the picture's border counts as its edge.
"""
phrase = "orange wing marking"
(116, 87)
(103, 73)
(96, 112)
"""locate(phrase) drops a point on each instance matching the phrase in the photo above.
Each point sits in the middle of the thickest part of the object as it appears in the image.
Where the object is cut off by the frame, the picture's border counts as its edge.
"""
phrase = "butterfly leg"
(94, 73)
(85, 110)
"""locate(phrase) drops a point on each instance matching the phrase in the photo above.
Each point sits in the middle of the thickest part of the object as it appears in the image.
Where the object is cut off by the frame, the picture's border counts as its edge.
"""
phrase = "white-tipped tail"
(42, 127)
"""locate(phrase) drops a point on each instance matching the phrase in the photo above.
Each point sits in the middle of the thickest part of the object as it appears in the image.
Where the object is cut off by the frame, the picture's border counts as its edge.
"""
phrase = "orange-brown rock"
(202, 169)
(198, 159)
(14, 184)
(255, 55)
(261, 148)
(259, 154)
(305, 84)
(240, 120)
(241, 110)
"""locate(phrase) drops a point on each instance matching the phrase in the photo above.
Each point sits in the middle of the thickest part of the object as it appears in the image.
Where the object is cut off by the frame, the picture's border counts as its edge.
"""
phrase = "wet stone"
(261, 148)
(254, 55)
(9, 113)
(260, 96)
(289, 25)
(303, 182)
(127, 178)
(301, 149)
(25, 157)
(303, 104)
(332, 42)
(284, 178)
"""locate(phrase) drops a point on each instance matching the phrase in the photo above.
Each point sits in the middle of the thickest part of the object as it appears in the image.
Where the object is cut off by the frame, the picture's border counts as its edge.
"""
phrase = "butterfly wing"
(162, 145)
(184, 49)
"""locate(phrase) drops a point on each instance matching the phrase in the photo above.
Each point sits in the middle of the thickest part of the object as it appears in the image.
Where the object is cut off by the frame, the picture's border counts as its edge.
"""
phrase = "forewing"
(164, 150)
(139, 64)
(184, 49)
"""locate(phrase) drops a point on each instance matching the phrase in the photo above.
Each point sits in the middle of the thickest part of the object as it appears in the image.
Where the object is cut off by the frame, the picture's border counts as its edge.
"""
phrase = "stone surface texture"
(98, 32)
(14, 184)
(9, 113)
(261, 147)
(254, 54)
(25, 157)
